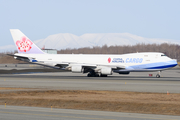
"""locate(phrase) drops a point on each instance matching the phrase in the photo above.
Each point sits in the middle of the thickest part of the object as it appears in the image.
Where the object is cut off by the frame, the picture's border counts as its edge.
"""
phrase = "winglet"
(24, 44)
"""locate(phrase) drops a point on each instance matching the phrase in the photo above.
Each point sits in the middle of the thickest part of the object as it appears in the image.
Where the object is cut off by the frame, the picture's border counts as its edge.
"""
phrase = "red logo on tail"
(24, 44)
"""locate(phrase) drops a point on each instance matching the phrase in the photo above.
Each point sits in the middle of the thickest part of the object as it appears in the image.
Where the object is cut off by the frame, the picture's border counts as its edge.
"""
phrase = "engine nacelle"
(106, 71)
(77, 69)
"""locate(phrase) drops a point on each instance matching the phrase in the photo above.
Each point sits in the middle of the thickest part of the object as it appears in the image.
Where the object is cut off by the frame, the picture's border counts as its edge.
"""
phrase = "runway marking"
(54, 115)
(127, 116)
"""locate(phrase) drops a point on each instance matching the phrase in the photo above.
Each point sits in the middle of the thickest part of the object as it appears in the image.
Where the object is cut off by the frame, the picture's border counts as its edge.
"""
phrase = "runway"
(36, 113)
(138, 82)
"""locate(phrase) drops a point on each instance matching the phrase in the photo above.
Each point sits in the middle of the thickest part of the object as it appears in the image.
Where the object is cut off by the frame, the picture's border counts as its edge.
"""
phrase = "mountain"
(61, 41)
(67, 40)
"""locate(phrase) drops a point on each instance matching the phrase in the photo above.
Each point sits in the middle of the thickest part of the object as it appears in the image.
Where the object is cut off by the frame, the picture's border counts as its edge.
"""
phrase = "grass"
(135, 102)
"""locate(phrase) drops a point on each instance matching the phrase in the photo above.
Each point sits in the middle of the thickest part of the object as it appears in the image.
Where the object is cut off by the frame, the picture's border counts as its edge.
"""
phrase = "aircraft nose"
(174, 61)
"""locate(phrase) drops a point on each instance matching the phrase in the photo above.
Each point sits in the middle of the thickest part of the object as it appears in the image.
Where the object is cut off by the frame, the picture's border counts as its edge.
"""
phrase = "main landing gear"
(158, 75)
(93, 74)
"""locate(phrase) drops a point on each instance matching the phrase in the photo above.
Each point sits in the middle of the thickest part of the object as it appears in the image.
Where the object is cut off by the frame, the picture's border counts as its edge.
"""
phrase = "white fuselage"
(149, 61)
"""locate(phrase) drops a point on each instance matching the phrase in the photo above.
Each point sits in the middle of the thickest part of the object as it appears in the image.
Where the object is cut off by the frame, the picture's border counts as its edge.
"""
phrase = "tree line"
(171, 50)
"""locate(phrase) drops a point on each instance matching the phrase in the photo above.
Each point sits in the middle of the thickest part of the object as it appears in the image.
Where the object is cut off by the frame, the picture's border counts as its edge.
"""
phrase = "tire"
(103, 75)
(97, 75)
(88, 75)
(158, 76)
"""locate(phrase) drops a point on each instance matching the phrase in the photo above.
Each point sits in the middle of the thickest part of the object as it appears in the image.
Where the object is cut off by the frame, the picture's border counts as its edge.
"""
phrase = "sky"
(38, 19)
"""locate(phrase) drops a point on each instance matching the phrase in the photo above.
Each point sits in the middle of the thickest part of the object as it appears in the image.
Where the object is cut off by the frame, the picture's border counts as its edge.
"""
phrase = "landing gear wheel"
(97, 75)
(92, 74)
(89, 75)
(158, 76)
(103, 75)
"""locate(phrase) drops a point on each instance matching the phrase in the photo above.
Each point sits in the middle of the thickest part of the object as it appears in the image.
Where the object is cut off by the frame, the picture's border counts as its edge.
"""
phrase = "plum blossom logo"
(109, 60)
(24, 44)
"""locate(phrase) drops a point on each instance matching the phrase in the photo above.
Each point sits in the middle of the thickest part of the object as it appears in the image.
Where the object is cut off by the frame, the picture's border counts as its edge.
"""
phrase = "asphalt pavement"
(37, 113)
(138, 82)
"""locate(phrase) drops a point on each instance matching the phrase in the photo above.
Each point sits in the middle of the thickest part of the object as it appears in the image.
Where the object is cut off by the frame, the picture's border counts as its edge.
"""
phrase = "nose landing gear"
(158, 75)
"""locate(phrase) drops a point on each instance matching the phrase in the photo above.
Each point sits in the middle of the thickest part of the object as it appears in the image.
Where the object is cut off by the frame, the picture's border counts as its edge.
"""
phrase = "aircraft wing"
(87, 65)
(34, 61)
(65, 65)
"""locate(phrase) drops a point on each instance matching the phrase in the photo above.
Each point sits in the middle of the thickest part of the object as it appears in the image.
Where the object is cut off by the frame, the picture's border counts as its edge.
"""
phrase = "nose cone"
(173, 62)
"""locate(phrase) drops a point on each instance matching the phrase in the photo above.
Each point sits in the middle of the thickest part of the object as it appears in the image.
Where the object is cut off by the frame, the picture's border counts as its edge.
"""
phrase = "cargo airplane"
(94, 64)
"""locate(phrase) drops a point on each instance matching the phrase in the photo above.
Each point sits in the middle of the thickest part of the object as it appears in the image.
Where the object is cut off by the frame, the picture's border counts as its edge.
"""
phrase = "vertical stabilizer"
(23, 43)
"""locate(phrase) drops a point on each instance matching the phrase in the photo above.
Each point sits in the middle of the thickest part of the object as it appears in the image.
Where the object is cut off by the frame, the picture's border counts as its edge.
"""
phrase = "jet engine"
(106, 71)
(77, 69)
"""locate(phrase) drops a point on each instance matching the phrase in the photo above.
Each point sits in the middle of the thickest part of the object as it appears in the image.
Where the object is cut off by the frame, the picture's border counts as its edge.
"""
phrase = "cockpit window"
(163, 55)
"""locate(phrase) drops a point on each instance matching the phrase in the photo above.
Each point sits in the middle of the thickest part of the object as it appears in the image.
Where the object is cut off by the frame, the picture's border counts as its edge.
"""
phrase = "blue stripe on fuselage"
(158, 65)
(162, 67)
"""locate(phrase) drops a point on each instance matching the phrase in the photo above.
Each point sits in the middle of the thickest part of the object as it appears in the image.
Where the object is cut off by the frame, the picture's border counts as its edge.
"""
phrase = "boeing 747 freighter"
(94, 64)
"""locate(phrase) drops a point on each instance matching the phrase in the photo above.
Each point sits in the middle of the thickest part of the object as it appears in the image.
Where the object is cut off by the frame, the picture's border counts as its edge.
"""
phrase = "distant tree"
(171, 50)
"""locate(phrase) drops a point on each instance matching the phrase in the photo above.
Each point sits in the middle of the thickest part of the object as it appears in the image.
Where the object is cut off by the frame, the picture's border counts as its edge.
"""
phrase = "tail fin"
(23, 43)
